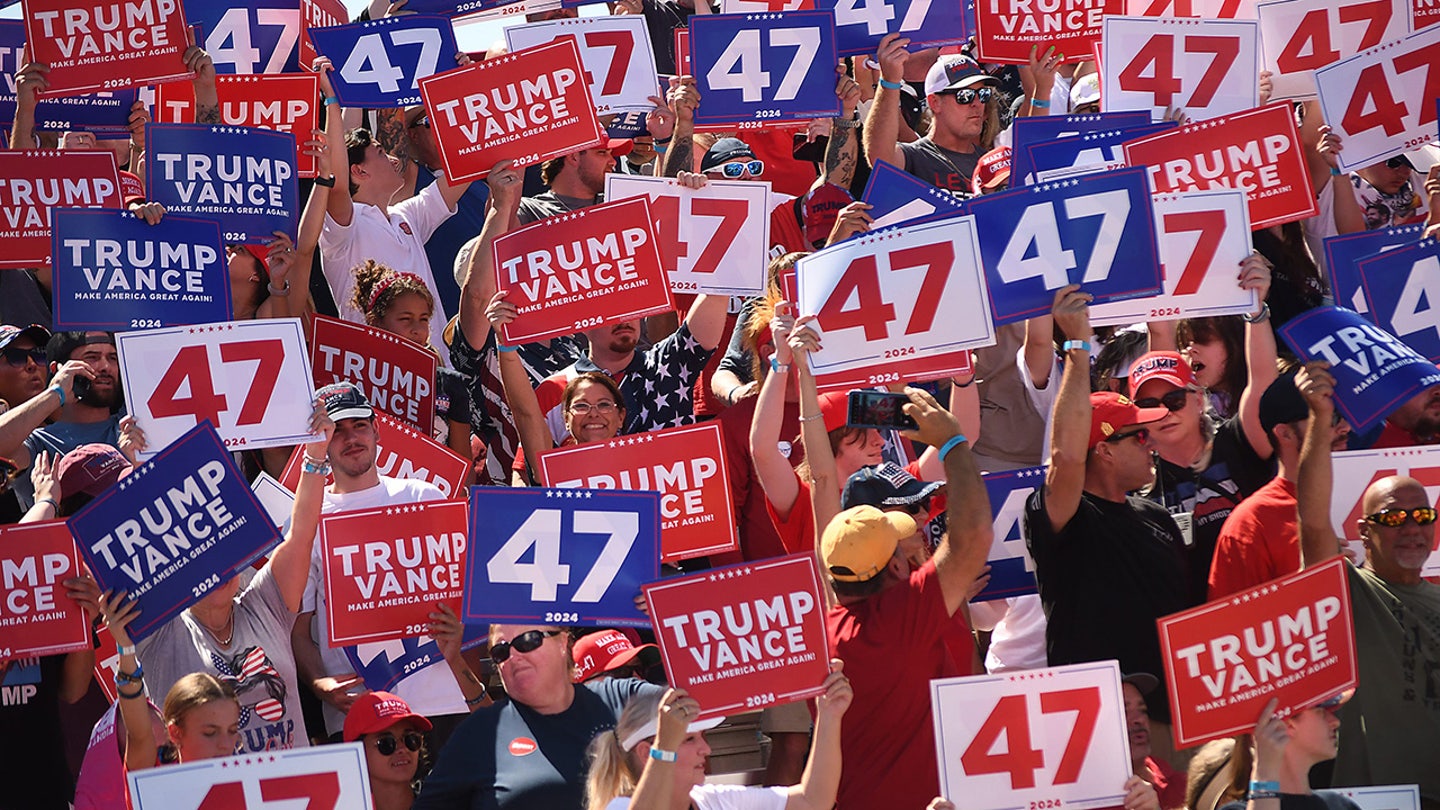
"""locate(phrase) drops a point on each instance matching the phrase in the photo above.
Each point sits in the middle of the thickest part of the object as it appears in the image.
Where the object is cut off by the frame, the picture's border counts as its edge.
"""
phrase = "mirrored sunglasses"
(739, 167)
(965, 95)
(1423, 516)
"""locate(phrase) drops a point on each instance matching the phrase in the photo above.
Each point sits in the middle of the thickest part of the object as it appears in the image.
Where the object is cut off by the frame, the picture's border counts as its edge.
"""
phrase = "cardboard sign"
(241, 176)
(278, 103)
(560, 556)
(317, 14)
(765, 67)
(714, 239)
(1008, 29)
(877, 297)
(1207, 9)
(1356, 470)
(1291, 639)
(1012, 572)
(1344, 252)
(1204, 236)
(1258, 151)
(1375, 372)
(1402, 288)
(1098, 150)
(384, 665)
(686, 465)
(1383, 797)
(758, 6)
(113, 271)
(32, 183)
(386, 568)
(107, 45)
(581, 270)
(327, 777)
(1302, 36)
(397, 376)
(249, 379)
(1037, 239)
(744, 637)
(897, 197)
(682, 50)
(259, 36)
(277, 501)
(615, 52)
(174, 529)
(890, 372)
(474, 130)
(1035, 129)
(105, 114)
(403, 452)
(36, 617)
(1207, 67)
(1064, 738)
(1381, 101)
(861, 24)
(379, 63)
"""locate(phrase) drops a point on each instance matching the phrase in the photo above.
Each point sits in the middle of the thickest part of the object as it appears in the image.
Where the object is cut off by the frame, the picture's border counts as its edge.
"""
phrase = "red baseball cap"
(376, 711)
(606, 650)
(91, 469)
(835, 406)
(1111, 412)
(821, 206)
(1167, 366)
(132, 190)
(992, 170)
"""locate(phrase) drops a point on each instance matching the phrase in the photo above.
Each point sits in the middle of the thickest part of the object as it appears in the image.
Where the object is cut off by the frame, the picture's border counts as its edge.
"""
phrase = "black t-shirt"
(1319, 800)
(662, 17)
(1104, 579)
(32, 748)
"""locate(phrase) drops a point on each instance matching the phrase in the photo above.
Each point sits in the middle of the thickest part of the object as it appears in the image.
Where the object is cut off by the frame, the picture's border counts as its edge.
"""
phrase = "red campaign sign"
(397, 376)
(1258, 151)
(528, 106)
(914, 369)
(581, 270)
(95, 45)
(277, 102)
(33, 182)
(107, 663)
(1291, 639)
(36, 617)
(403, 453)
(1205, 9)
(1423, 13)
(685, 464)
(1006, 29)
(386, 569)
(744, 637)
(682, 51)
(317, 14)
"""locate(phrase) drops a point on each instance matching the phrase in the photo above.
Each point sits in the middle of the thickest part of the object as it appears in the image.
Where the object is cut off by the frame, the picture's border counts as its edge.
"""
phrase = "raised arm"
(1070, 428)
(683, 98)
(338, 203)
(821, 781)
(477, 287)
(207, 95)
(30, 80)
(840, 152)
(290, 562)
(19, 422)
(882, 122)
(825, 483)
(1318, 541)
(777, 477)
(530, 422)
(1260, 357)
(119, 611)
(706, 319)
(1037, 79)
(1349, 216)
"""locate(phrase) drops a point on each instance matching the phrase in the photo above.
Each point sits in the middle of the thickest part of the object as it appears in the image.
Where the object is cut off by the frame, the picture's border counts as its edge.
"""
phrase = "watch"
(328, 182)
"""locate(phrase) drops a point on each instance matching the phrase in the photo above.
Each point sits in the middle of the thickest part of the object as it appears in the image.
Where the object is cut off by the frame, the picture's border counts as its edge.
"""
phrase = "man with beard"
(1169, 783)
(575, 180)
(1415, 422)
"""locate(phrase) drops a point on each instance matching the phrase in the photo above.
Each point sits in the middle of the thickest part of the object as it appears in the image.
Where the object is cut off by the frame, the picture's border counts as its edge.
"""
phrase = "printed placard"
(1375, 372)
(1034, 129)
(317, 14)
(1039, 238)
(473, 130)
(686, 465)
(581, 270)
(757, 6)
(36, 617)
(105, 45)
(258, 36)
(1065, 742)
(765, 67)
(401, 452)
(1302, 36)
(105, 114)
(1219, 675)
(714, 239)
(397, 376)
(1380, 101)
(889, 372)
(1258, 151)
(383, 666)
(113, 271)
(1204, 236)
(876, 298)
(897, 197)
(277, 501)
(1098, 150)
(249, 379)
(1356, 470)
(744, 637)
(1344, 252)
(615, 53)
(1012, 572)
(386, 569)
(1006, 30)
(861, 24)
(379, 63)
(682, 48)
(33, 183)
(1383, 797)
(326, 777)
(560, 556)
(280, 103)
(1207, 9)
(244, 177)
(1402, 287)
(1208, 68)
(174, 529)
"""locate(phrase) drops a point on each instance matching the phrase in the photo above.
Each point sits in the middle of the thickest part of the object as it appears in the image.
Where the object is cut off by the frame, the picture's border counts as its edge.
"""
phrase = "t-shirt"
(59, 438)
(1390, 729)
(259, 664)
(759, 539)
(1258, 542)
(511, 756)
(1169, 783)
(452, 402)
(33, 747)
(1319, 800)
(940, 167)
(893, 644)
(1104, 579)
(662, 17)
(1014, 431)
(549, 204)
(724, 797)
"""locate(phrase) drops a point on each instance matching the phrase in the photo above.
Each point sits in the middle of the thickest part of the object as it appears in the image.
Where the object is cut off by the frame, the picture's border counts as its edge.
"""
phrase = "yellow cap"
(859, 542)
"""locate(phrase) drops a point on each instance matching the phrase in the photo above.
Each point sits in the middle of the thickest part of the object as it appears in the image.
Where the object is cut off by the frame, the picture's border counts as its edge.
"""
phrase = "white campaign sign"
(1383, 797)
(1203, 238)
(1051, 738)
(615, 52)
(1355, 470)
(1381, 101)
(328, 777)
(759, 6)
(251, 379)
(1206, 67)
(1302, 36)
(896, 295)
(712, 240)
(1208, 9)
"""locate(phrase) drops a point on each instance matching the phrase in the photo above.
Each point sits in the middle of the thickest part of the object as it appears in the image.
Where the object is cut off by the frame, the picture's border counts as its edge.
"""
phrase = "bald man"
(1390, 731)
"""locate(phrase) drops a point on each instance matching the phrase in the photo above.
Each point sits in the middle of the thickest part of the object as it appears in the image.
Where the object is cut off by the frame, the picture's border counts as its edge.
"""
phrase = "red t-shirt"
(758, 537)
(797, 531)
(777, 148)
(786, 232)
(1259, 541)
(1394, 436)
(1169, 783)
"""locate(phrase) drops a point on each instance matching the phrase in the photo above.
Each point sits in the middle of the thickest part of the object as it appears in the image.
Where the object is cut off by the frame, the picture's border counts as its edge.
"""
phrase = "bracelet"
(311, 467)
(1259, 317)
(662, 755)
(664, 141)
(1072, 345)
(1334, 172)
(730, 395)
(59, 392)
(137, 694)
(812, 417)
(502, 347)
(955, 441)
(846, 123)
(964, 384)
(776, 365)
(477, 700)
(51, 501)
(122, 677)
(130, 650)
(330, 100)
(889, 85)
(282, 292)
(327, 182)
(1039, 104)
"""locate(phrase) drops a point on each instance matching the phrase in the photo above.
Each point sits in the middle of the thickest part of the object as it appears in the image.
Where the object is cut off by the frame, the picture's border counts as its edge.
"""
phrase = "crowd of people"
(1183, 461)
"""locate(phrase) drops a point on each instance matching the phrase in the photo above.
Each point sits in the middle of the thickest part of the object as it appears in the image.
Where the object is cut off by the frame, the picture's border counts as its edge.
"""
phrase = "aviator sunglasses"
(529, 641)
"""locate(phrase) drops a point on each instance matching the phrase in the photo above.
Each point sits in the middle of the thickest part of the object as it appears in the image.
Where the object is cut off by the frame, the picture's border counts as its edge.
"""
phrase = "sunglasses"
(1173, 400)
(739, 167)
(529, 641)
(18, 358)
(603, 406)
(965, 95)
(1423, 516)
(1143, 434)
(1398, 163)
(386, 743)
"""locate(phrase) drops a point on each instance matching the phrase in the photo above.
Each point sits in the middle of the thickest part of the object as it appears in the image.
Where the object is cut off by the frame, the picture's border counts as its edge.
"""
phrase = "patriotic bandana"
(248, 670)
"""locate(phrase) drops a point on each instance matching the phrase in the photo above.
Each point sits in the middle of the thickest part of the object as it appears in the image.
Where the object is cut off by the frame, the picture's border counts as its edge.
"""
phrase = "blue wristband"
(889, 85)
(502, 347)
(330, 100)
(955, 441)
(59, 392)
(663, 756)
(1072, 345)
(1334, 172)
(1039, 104)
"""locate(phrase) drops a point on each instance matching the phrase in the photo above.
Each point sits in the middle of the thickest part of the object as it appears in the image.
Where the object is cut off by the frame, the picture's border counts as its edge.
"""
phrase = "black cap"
(883, 485)
(1143, 681)
(723, 151)
(1281, 403)
(344, 400)
(62, 344)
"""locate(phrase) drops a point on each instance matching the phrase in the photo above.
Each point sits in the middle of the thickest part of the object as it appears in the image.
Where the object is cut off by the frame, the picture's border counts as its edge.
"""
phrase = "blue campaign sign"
(895, 196)
(174, 529)
(243, 177)
(103, 114)
(379, 63)
(861, 24)
(1343, 254)
(628, 125)
(560, 556)
(1375, 372)
(1093, 148)
(112, 271)
(1012, 572)
(1402, 287)
(257, 36)
(384, 665)
(1095, 230)
(1034, 129)
(764, 67)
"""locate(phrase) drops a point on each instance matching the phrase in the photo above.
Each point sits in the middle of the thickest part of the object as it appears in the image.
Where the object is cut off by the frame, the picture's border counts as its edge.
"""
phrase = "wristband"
(122, 677)
(964, 384)
(812, 417)
(502, 347)
(889, 85)
(776, 365)
(846, 123)
(1258, 785)
(51, 501)
(660, 147)
(1039, 104)
(330, 100)
(59, 392)
(663, 756)
(1334, 172)
(136, 695)
(1072, 345)
(327, 182)
(130, 650)
(955, 441)
(477, 700)
(1259, 317)
(664, 141)
(282, 292)
(310, 467)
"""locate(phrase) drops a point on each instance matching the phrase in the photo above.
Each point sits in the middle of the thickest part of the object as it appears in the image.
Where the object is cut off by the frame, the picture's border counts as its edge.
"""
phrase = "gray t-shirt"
(941, 167)
(60, 438)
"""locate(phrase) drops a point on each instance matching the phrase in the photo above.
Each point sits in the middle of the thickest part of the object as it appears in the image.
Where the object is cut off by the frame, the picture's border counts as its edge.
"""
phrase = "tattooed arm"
(207, 99)
(843, 149)
(683, 99)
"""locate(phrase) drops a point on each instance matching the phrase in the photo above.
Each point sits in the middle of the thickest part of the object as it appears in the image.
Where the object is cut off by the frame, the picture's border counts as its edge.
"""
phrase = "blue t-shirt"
(60, 438)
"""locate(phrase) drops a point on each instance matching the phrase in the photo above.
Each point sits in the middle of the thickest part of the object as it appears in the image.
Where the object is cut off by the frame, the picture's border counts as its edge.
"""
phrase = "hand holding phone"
(880, 410)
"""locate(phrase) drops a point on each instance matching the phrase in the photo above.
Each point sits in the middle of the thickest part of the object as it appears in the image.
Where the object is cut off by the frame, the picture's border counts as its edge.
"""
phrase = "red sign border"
(177, 20)
(77, 564)
(427, 406)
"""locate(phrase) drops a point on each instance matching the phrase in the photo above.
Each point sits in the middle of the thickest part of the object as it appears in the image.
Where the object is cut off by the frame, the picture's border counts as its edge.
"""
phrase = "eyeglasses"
(529, 641)
(1398, 163)
(422, 121)
(18, 358)
(386, 743)
(1143, 435)
(1172, 400)
(604, 406)
(739, 167)
(965, 95)
(1423, 516)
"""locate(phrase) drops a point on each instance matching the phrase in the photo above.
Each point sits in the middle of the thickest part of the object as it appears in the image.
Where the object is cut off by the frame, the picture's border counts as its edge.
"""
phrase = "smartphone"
(80, 385)
(879, 409)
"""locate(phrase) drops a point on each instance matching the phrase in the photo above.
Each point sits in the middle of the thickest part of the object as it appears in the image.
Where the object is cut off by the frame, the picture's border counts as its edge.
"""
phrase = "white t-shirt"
(1017, 637)
(725, 797)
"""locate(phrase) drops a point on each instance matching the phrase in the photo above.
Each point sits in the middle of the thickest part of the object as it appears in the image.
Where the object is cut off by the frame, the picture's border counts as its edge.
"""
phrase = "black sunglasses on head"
(18, 358)
(1398, 162)
(386, 744)
(529, 641)
(1172, 400)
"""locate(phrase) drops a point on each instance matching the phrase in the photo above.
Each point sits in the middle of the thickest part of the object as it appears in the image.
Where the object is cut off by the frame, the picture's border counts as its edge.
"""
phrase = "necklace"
(229, 623)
